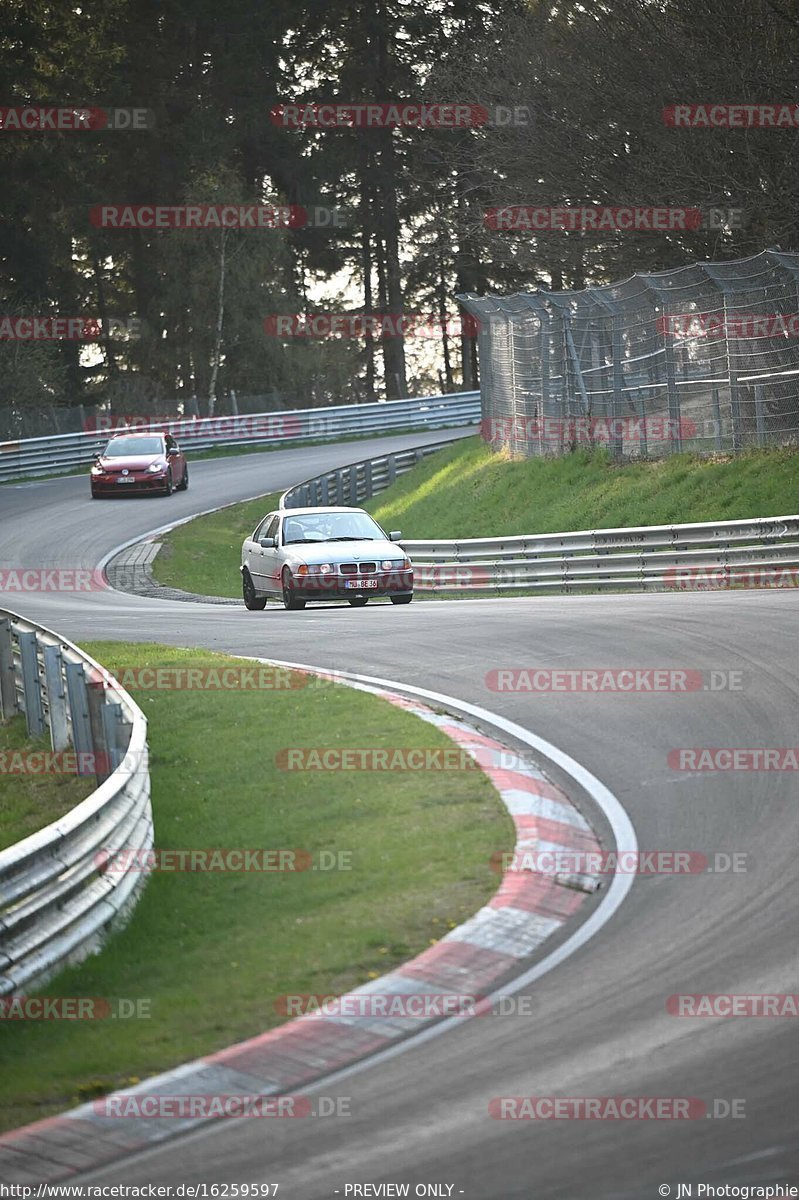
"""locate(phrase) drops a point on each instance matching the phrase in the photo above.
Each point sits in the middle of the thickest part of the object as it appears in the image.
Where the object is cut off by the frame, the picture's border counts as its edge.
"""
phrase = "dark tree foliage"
(596, 77)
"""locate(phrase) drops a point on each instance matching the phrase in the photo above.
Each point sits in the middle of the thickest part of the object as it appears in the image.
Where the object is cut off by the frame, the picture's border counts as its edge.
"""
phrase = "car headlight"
(97, 470)
(395, 564)
(156, 467)
(316, 569)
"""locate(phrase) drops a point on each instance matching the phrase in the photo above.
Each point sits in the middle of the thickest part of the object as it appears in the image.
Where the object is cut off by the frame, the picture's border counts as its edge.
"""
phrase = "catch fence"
(703, 358)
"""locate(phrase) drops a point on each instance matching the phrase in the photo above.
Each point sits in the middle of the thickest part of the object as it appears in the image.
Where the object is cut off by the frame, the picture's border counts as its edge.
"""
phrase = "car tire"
(252, 601)
(358, 601)
(401, 599)
(291, 601)
(168, 484)
(183, 486)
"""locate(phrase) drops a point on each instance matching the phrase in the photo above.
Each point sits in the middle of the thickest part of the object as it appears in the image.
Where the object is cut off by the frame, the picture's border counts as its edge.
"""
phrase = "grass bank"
(207, 954)
(468, 491)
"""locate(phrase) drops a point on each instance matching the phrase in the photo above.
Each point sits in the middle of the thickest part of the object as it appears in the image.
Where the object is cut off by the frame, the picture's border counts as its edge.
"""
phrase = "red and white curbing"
(468, 961)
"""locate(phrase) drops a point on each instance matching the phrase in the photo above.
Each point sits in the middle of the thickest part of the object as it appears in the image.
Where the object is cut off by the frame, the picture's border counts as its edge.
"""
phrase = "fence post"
(31, 683)
(717, 418)
(8, 683)
(56, 698)
(732, 366)
(760, 414)
(367, 479)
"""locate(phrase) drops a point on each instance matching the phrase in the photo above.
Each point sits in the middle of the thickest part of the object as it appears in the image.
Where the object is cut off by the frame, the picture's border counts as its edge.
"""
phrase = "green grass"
(29, 801)
(211, 952)
(468, 491)
(204, 554)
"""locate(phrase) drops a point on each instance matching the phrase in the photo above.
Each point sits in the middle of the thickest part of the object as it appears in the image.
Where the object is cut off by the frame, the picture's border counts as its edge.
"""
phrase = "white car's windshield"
(124, 446)
(331, 527)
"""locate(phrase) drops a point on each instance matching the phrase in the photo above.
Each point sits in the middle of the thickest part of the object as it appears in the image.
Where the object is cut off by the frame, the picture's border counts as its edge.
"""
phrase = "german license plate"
(360, 584)
(126, 479)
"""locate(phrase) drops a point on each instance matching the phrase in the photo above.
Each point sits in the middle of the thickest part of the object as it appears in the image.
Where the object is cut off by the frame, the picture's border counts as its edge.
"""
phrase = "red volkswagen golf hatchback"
(139, 462)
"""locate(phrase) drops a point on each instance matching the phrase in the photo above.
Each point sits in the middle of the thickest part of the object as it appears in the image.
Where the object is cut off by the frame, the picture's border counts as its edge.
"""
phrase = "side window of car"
(267, 528)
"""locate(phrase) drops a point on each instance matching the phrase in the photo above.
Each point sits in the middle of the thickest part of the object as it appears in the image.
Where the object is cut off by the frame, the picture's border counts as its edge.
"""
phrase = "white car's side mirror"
(395, 535)
(266, 542)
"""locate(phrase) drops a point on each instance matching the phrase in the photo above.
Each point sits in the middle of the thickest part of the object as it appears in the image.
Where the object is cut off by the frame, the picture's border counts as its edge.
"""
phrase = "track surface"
(600, 1025)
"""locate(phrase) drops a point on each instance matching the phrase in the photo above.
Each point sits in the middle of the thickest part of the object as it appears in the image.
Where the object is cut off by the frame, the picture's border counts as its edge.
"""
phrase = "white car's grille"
(352, 568)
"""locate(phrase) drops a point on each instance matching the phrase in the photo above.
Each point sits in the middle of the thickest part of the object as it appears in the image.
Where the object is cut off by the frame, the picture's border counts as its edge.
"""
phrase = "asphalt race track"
(599, 1024)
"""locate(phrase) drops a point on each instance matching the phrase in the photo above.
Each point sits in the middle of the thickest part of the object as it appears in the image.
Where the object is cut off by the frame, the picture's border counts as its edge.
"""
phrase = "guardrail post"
(391, 463)
(367, 479)
(56, 698)
(95, 694)
(111, 714)
(339, 486)
(8, 682)
(96, 699)
(325, 488)
(79, 716)
(354, 484)
(31, 683)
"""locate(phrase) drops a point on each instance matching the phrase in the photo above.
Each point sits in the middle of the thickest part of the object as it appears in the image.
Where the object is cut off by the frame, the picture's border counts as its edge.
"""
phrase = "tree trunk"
(220, 317)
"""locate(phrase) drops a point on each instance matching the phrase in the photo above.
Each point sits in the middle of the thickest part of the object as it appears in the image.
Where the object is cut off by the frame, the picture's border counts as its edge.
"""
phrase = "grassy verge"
(468, 491)
(28, 802)
(204, 554)
(209, 953)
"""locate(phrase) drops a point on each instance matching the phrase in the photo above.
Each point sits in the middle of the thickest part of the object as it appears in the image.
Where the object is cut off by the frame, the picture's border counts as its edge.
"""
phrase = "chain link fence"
(702, 358)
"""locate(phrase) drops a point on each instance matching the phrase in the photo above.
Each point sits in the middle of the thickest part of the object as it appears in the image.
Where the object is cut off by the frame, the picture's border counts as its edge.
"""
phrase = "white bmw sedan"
(301, 554)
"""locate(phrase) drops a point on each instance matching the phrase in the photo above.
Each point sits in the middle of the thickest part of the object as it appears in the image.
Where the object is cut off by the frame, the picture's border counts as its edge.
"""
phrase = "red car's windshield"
(126, 446)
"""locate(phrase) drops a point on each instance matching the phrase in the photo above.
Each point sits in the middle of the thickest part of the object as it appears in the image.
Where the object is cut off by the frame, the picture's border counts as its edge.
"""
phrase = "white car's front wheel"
(291, 600)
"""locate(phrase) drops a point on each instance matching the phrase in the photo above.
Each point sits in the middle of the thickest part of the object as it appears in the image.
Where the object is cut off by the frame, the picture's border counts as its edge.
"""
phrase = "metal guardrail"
(757, 553)
(357, 481)
(46, 455)
(56, 901)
